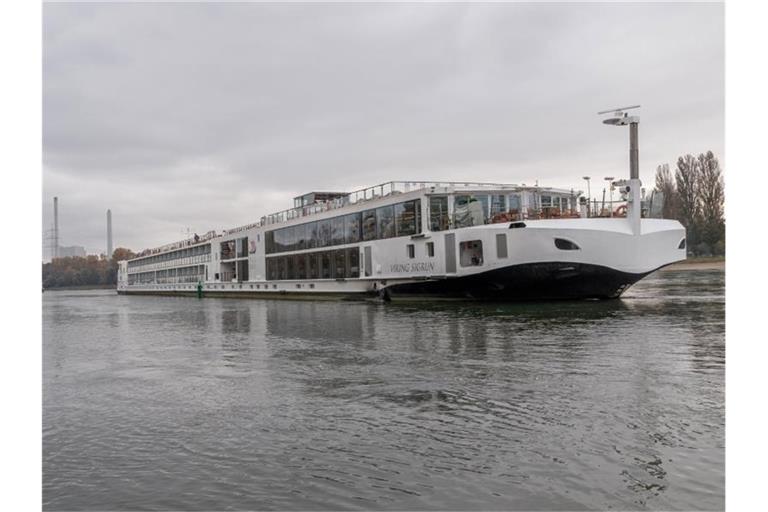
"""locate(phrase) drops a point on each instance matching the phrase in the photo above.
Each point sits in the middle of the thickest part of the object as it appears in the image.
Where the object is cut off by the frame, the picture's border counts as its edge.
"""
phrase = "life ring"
(621, 211)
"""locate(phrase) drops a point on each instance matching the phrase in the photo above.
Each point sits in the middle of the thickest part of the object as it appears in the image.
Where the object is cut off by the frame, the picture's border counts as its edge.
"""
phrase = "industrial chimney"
(55, 227)
(109, 234)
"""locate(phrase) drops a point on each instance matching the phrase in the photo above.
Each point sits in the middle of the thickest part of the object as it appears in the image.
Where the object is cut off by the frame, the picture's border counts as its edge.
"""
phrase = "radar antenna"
(617, 111)
(619, 116)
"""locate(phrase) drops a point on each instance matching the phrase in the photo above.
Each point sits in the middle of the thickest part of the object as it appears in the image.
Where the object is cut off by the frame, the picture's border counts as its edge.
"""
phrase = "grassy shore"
(699, 263)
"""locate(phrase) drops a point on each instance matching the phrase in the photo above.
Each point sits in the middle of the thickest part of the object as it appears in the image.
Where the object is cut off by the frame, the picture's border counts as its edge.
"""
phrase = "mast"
(631, 187)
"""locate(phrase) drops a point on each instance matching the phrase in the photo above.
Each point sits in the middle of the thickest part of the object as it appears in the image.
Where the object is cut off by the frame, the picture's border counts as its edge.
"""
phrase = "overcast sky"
(207, 116)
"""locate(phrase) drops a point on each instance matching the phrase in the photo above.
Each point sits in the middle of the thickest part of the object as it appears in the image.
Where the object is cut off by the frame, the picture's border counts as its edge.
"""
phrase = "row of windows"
(338, 264)
(478, 209)
(197, 250)
(171, 275)
(469, 210)
(401, 219)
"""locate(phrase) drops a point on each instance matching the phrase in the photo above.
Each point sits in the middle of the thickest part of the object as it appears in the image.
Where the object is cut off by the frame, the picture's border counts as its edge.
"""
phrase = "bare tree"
(665, 184)
(712, 195)
(689, 205)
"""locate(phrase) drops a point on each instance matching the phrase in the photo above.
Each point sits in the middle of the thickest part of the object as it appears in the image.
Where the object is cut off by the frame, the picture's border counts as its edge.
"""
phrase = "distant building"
(72, 251)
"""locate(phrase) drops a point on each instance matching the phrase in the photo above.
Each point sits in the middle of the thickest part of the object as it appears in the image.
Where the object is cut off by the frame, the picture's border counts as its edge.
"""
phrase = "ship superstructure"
(472, 240)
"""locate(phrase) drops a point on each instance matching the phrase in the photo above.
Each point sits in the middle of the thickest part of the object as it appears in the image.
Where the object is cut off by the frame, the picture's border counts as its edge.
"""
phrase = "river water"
(178, 403)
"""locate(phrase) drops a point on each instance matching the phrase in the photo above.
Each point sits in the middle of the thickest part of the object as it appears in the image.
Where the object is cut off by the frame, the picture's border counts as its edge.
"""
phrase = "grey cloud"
(210, 116)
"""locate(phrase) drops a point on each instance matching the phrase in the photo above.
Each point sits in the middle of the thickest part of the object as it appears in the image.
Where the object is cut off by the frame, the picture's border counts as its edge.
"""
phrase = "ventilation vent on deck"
(566, 245)
(517, 225)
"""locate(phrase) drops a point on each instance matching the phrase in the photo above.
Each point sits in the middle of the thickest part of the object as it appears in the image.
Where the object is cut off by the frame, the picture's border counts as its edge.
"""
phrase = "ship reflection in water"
(179, 403)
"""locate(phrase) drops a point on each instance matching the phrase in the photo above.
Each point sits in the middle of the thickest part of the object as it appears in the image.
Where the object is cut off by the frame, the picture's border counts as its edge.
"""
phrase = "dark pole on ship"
(634, 152)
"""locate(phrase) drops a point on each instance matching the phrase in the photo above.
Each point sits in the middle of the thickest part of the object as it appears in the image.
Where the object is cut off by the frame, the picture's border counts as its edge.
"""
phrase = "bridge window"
(408, 216)
(438, 213)
(468, 211)
(498, 204)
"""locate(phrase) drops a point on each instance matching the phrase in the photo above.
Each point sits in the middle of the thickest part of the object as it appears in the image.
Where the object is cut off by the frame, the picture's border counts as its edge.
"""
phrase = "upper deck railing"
(187, 242)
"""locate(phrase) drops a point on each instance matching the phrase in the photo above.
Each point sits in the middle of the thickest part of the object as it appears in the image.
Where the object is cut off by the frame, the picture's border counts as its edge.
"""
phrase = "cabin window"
(369, 225)
(501, 245)
(324, 233)
(277, 240)
(546, 201)
(354, 262)
(410, 250)
(312, 266)
(438, 213)
(471, 253)
(300, 233)
(242, 247)
(681, 245)
(385, 221)
(565, 245)
(352, 228)
(340, 258)
(312, 235)
(431, 249)
(301, 266)
(337, 231)
(325, 265)
(291, 242)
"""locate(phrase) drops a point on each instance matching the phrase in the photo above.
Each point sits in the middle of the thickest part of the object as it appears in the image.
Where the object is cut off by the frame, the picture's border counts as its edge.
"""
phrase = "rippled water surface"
(179, 403)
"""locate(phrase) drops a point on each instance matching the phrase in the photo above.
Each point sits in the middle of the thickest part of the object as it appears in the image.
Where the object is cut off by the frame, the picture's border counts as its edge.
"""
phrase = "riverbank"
(700, 263)
(82, 287)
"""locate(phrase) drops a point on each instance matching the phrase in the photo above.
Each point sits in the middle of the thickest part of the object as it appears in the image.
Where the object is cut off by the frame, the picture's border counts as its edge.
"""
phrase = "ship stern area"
(569, 259)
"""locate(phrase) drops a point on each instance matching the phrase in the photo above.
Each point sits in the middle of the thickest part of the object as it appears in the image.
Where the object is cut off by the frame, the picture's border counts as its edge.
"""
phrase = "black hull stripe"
(530, 281)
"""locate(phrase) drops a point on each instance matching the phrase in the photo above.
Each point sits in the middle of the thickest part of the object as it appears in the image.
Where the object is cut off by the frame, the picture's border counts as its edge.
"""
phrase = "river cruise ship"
(486, 241)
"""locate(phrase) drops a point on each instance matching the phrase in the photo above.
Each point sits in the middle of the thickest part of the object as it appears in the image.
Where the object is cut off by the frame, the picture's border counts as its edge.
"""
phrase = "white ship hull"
(522, 260)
